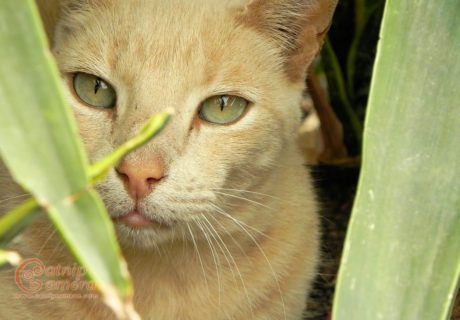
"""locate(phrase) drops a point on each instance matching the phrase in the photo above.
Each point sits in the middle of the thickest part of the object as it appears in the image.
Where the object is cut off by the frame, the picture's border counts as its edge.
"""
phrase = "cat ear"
(297, 27)
(76, 5)
(72, 12)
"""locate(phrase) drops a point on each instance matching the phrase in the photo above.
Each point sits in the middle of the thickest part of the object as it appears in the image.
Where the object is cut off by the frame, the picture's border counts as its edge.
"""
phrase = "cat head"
(234, 73)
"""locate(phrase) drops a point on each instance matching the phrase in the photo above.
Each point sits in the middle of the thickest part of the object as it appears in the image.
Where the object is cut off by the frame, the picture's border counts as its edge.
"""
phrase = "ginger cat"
(216, 216)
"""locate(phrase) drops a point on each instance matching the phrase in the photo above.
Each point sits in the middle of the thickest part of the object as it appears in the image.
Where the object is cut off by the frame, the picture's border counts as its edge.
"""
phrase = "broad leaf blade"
(402, 255)
(39, 145)
(37, 134)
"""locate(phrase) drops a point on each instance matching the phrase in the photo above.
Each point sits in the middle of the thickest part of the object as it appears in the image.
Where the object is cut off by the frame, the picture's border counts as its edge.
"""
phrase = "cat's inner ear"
(296, 27)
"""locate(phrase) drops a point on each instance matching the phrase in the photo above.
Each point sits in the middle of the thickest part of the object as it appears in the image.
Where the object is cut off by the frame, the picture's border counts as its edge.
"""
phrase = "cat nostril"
(154, 180)
(122, 176)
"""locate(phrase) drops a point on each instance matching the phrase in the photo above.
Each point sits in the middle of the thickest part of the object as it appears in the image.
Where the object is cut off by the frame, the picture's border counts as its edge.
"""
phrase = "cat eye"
(223, 109)
(94, 91)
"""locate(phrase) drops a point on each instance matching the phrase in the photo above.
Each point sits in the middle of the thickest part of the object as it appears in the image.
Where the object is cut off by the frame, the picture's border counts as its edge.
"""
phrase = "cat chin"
(146, 239)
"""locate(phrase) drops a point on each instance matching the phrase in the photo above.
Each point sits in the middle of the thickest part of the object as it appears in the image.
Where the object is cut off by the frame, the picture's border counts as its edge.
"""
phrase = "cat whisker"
(199, 255)
(47, 240)
(157, 248)
(215, 257)
(245, 199)
(250, 192)
(213, 234)
(15, 197)
(234, 262)
(227, 253)
(184, 241)
(218, 239)
(247, 225)
(57, 249)
(225, 214)
(135, 235)
(173, 238)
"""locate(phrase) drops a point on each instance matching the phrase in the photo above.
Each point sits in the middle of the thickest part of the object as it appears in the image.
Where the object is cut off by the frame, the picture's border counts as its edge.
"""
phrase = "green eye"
(94, 91)
(223, 109)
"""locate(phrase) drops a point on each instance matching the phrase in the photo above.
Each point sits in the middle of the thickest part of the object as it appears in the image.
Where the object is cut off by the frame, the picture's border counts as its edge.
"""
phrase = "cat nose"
(140, 177)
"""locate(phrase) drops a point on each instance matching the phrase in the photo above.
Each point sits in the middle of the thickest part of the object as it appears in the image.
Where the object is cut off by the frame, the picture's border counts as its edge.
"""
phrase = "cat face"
(234, 81)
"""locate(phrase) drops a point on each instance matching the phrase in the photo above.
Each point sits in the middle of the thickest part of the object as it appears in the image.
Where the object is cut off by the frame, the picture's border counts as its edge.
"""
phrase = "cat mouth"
(137, 220)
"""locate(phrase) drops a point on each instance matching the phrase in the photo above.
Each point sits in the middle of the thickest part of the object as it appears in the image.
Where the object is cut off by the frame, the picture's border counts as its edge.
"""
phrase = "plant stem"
(362, 15)
(17, 220)
(342, 91)
(152, 128)
(360, 23)
(331, 127)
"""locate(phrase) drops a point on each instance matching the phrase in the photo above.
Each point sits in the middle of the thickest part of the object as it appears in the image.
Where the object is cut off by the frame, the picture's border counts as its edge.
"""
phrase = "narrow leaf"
(37, 134)
(14, 222)
(39, 145)
(87, 235)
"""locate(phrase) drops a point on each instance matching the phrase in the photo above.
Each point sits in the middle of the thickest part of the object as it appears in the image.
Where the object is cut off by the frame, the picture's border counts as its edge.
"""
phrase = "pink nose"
(139, 177)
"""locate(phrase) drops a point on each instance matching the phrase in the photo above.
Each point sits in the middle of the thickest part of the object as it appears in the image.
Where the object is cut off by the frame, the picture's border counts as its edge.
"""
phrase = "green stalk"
(152, 128)
(360, 23)
(340, 81)
(17, 220)
(362, 16)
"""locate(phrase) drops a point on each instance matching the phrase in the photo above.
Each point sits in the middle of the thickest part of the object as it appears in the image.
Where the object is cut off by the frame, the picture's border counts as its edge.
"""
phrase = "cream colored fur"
(241, 188)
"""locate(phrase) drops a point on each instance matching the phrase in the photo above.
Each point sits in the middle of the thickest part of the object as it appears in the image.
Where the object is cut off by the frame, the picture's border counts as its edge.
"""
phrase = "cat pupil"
(223, 102)
(97, 86)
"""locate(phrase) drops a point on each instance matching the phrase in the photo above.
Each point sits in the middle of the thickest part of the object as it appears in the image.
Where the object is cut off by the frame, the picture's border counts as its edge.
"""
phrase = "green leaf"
(334, 65)
(39, 145)
(90, 237)
(17, 220)
(34, 124)
(402, 255)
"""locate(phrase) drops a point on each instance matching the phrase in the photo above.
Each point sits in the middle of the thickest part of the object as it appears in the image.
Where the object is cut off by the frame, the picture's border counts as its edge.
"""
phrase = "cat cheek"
(94, 132)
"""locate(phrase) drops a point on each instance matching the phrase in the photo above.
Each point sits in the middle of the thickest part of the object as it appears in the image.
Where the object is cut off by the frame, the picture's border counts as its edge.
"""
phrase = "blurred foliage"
(348, 58)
